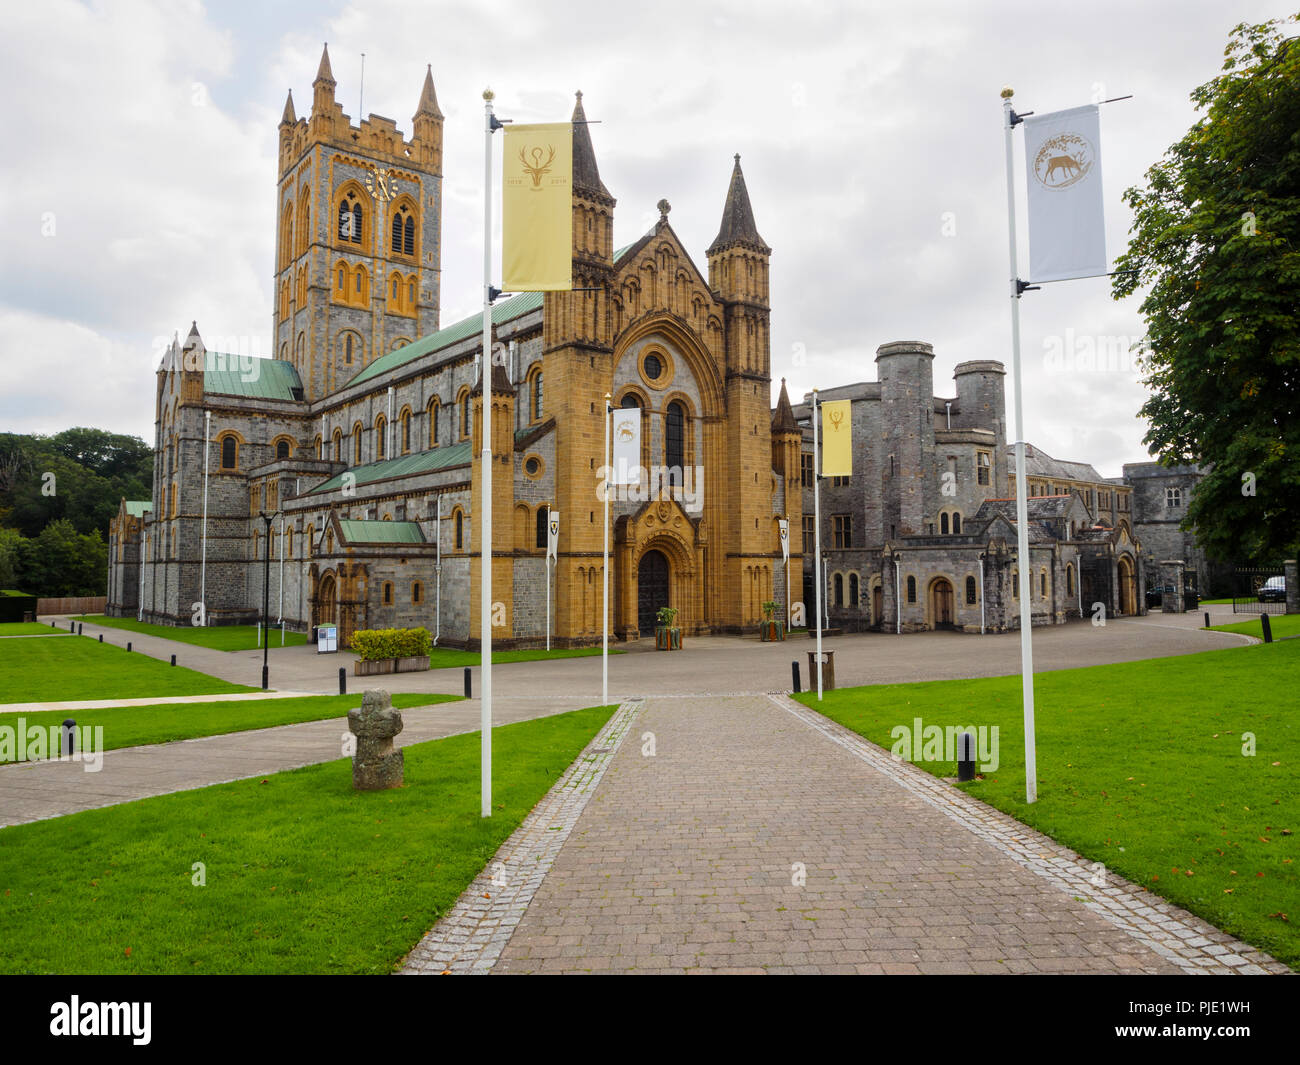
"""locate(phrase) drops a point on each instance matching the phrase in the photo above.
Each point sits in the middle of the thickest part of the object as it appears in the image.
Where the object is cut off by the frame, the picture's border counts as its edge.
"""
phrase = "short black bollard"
(79, 627)
(467, 682)
(794, 672)
(966, 757)
(72, 626)
(343, 681)
(68, 737)
(1268, 628)
(1207, 619)
(173, 660)
(128, 645)
(101, 637)
(53, 625)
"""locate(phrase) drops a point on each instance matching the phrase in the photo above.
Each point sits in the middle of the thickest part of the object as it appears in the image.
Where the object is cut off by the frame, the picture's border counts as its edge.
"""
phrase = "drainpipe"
(898, 599)
(947, 407)
(388, 449)
(983, 555)
(203, 566)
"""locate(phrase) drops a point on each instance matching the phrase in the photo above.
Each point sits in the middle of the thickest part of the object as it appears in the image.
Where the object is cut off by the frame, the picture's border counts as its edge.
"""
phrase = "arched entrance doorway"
(652, 590)
(1127, 587)
(941, 603)
(877, 604)
(327, 601)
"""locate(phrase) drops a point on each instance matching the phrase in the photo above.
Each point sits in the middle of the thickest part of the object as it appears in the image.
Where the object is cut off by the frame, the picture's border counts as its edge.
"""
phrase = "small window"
(842, 525)
(1042, 585)
(809, 532)
(806, 471)
(943, 524)
(839, 588)
(1173, 498)
(1015, 585)
(853, 589)
(388, 592)
(532, 466)
(543, 537)
(956, 524)
(406, 432)
(417, 593)
(653, 367)
(1069, 580)
(971, 591)
(229, 453)
(459, 540)
(537, 396)
(282, 449)
(434, 408)
(911, 589)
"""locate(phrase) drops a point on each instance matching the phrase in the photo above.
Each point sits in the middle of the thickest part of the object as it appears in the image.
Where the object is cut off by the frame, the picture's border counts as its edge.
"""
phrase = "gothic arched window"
(911, 589)
(229, 453)
(408, 236)
(543, 533)
(282, 449)
(970, 590)
(675, 441)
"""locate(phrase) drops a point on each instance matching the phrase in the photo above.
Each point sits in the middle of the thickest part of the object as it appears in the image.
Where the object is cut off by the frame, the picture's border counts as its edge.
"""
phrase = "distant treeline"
(57, 495)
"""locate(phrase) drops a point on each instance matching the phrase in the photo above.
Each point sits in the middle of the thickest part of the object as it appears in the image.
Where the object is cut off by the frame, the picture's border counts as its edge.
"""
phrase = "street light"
(266, 599)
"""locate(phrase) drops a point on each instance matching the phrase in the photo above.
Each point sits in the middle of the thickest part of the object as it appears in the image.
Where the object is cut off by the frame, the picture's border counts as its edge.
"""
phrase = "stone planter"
(413, 664)
(668, 639)
(772, 631)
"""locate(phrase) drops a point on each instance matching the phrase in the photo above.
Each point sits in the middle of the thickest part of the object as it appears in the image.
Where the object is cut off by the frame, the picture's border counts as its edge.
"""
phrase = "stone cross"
(376, 766)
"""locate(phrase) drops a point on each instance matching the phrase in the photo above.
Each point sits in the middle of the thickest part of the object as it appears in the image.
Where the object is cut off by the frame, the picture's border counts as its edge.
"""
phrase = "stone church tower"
(358, 240)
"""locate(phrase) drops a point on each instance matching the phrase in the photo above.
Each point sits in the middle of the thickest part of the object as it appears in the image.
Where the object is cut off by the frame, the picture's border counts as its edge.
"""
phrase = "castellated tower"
(358, 240)
(981, 404)
(905, 370)
(738, 274)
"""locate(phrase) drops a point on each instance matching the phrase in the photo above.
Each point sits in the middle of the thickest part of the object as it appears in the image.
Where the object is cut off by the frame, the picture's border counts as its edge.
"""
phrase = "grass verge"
(216, 637)
(1281, 625)
(30, 628)
(301, 873)
(135, 726)
(82, 668)
(448, 657)
(1141, 766)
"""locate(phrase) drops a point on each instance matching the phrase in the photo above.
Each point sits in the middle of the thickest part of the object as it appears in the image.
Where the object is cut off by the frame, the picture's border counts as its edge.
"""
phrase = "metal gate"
(1258, 590)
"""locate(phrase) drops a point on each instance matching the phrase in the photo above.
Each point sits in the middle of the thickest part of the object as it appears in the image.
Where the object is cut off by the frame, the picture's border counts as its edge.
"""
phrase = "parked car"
(1273, 590)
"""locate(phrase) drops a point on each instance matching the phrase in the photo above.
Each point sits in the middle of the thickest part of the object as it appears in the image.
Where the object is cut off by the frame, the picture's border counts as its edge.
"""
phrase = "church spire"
(783, 420)
(738, 218)
(322, 102)
(323, 72)
(586, 175)
(428, 98)
(288, 118)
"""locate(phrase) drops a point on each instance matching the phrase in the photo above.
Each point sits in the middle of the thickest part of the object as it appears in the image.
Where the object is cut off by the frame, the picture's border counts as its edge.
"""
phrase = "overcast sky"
(140, 175)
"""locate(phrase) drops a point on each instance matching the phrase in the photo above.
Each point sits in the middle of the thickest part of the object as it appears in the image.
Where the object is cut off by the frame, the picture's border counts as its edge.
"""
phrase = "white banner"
(785, 539)
(627, 446)
(1067, 231)
(553, 535)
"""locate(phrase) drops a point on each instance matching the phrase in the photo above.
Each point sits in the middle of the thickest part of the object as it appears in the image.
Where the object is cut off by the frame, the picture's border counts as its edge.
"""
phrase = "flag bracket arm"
(1023, 287)
(1084, 277)
(495, 123)
(1015, 119)
(493, 293)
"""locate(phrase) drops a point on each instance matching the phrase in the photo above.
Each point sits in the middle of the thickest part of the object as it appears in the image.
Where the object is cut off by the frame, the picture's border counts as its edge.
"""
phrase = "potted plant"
(668, 637)
(771, 630)
(390, 651)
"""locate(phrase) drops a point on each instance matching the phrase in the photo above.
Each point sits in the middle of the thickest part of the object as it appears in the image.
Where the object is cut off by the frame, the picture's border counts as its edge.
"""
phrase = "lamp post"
(266, 600)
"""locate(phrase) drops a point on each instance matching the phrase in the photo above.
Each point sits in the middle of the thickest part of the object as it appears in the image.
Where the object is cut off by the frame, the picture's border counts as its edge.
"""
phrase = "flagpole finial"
(489, 95)
(1008, 92)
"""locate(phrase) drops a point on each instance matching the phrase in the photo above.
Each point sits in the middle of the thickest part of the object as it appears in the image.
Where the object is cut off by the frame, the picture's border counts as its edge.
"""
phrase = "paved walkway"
(33, 791)
(689, 860)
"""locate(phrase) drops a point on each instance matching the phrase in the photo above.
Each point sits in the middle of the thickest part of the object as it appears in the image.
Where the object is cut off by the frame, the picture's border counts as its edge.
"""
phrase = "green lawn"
(82, 668)
(217, 637)
(303, 874)
(29, 628)
(133, 726)
(1141, 767)
(1280, 624)
(446, 657)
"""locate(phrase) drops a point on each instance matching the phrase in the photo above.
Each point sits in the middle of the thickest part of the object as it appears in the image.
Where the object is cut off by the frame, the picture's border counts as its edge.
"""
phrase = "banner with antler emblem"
(1067, 223)
(537, 208)
(837, 438)
(552, 534)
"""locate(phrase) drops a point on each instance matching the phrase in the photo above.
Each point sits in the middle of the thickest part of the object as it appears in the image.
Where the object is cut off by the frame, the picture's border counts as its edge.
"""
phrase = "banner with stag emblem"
(627, 446)
(1067, 222)
(537, 208)
(552, 534)
(837, 438)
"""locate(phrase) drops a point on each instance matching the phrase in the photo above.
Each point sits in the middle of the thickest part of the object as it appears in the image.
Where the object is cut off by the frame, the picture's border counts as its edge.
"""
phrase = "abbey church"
(360, 440)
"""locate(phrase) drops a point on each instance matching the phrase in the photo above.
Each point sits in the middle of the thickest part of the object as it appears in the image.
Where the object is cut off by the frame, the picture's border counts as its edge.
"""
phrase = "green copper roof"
(438, 458)
(381, 532)
(254, 378)
(137, 507)
(511, 309)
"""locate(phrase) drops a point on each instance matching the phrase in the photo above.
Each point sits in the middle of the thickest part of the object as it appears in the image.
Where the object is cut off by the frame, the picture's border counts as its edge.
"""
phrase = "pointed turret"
(289, 117)
(323, 86)
(783, 420)
(586, 175)
(427, 126)
(428, 98)
(738, 227)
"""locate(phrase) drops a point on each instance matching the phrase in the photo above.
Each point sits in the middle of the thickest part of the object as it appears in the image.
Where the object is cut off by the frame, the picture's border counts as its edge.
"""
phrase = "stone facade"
(371, 414)
(1161, 496)
(922, 535)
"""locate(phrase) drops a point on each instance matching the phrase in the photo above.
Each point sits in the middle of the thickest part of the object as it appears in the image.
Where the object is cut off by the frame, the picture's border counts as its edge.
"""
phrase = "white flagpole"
(203, 567)
(817, 539)
(1022, 509)
(604, 652)
(437, 569)
(485, 496)
(281, 618)
(787, 573)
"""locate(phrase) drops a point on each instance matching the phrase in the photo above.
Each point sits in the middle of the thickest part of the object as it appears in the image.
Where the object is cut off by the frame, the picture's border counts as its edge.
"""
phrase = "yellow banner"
(537, 208)
(837, 438)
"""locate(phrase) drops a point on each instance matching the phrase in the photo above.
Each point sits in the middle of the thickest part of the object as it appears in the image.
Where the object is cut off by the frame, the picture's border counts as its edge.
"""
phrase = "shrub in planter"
(770, 629)
(374, 645)
(668, 637)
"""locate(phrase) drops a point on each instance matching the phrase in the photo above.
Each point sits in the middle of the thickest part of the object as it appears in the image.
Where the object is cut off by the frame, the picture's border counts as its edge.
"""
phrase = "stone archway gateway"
(941, 603)
(652, 590)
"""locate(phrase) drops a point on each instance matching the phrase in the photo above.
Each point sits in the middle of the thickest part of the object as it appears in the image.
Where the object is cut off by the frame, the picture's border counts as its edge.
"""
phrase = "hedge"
(376, 644)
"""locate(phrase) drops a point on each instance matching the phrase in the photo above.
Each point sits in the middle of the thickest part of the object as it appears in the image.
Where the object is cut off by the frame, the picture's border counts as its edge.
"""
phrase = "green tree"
(61, 561)
(11, 546)
(1216, 236)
